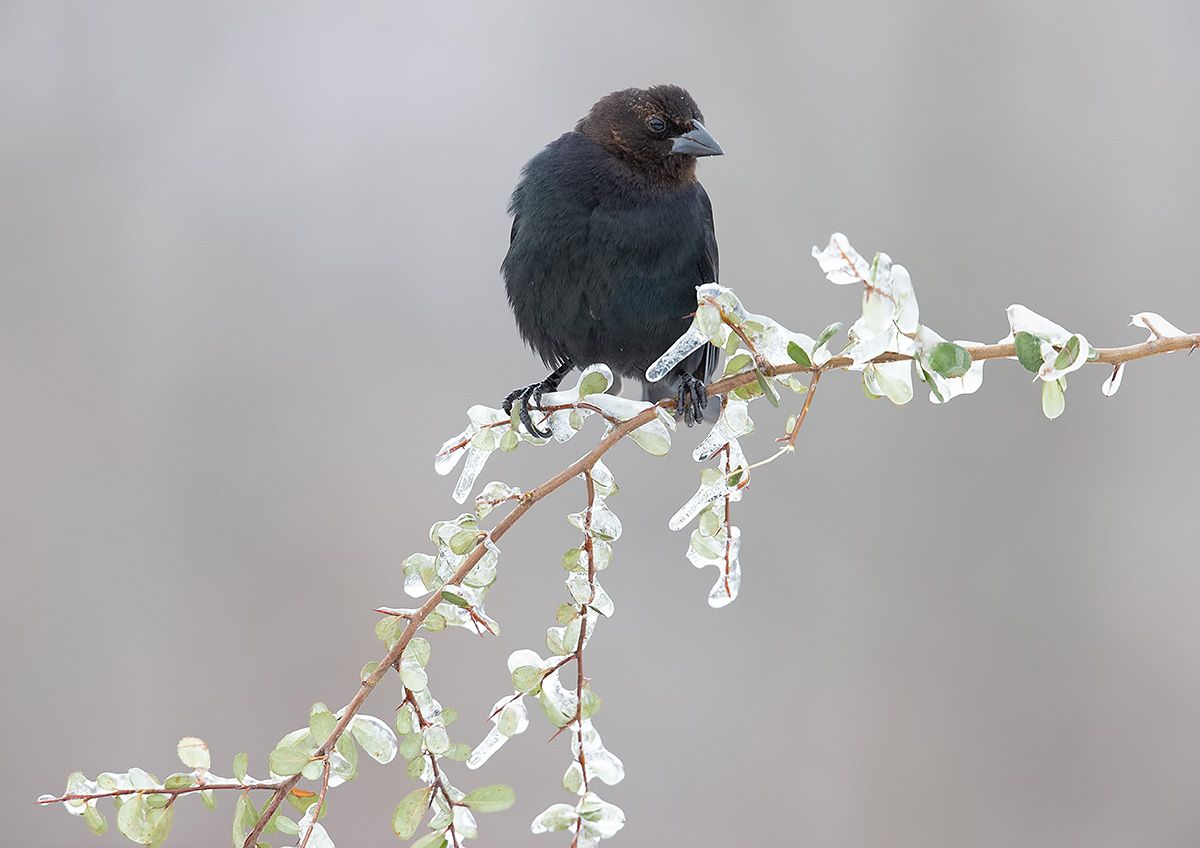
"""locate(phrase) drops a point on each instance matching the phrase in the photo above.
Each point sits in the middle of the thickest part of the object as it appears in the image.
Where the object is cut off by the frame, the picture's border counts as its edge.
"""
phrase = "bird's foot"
(531, 398)
(692, 400)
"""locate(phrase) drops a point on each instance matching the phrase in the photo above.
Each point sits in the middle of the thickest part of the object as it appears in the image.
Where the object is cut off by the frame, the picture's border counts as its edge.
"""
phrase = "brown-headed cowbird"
(611, 236)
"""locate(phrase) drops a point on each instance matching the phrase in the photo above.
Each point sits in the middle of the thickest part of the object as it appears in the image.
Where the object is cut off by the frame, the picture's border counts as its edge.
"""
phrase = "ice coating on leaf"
(723, 553)
(1053, 399)
(603, 522)
(601, 763)
(1054, 367)
(653, 437)
(681, 349)
(702, 329)
(1159, 327)
(889, 317)
(375, 737)
(471, 468)
(602, 479)
(1113, 382)
(553, 692)
(952, 387)
(733, 423)
(892, 380)
(712, 486)
(1024, 320)
(493, 494)
(592, 818)
(319, 837)
(509, 718)
(841, 263)
(553, 818)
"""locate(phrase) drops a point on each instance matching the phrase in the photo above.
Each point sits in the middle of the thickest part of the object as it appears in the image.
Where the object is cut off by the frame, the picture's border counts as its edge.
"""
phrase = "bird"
(611, 235)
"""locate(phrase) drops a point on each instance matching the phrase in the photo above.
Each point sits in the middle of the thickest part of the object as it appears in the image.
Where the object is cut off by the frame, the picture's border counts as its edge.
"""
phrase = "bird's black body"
(601, 267)
(611, 236)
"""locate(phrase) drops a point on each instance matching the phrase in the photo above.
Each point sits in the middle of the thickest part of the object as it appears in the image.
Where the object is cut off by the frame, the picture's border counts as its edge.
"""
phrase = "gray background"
(250, 282)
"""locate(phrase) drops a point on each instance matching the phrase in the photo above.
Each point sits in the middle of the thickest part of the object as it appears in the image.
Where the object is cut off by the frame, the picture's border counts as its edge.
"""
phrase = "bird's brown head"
(658, 130)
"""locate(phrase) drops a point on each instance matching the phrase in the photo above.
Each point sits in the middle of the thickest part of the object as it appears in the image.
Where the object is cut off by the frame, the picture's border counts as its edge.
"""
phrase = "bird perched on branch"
(611, 235)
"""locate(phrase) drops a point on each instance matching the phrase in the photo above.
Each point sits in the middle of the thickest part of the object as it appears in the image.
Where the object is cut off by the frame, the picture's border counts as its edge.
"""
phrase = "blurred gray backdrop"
(250, 253)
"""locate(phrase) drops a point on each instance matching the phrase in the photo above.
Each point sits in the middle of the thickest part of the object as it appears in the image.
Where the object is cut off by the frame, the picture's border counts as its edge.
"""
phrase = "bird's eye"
(656, 124)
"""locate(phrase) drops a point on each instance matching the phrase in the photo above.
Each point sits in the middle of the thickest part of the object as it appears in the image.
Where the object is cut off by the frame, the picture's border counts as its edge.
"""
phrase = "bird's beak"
(696, 142)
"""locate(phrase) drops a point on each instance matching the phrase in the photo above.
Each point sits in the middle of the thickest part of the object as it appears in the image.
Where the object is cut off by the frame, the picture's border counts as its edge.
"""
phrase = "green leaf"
(827, 334)
(374, 736)
(158, 826)
(737, 363)
(193, 753)
(949, 360)
(321, 724)
(463, 541)
(95, 820)
(209, 799)
(244, 818)
(288, 760)
(179, 781)
(409, 812)
(490, 799)
(1068, 354)
(417, 650)
(410, 745)
(431, 840)
(731, 344)
(1029, 351)
(345, 746)
(437, 740)
(435, 622)
(389, 629)
(929, 381)
(509, 441)
(1053, 401)
(368, 669)
(767, 389)
(527, 678)
(457, 600)
(285, 825)
(799, 355)
(458, 752)
(449, 716)
(240, 762)
(413, 677)
(593, 384)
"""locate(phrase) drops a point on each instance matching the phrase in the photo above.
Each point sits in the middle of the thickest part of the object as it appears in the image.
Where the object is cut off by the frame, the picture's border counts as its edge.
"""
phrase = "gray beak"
(696, 142)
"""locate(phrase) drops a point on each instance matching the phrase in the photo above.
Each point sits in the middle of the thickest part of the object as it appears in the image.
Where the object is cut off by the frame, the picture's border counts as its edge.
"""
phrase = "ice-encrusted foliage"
(570, 708)
(451, 582)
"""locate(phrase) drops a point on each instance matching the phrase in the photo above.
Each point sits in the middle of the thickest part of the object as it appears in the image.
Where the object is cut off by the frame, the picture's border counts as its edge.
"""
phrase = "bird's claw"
(531, 398)
(692, 400)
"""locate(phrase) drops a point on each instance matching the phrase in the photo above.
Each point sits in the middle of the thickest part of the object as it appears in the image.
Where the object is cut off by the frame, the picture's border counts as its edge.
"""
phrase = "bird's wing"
(709, 273)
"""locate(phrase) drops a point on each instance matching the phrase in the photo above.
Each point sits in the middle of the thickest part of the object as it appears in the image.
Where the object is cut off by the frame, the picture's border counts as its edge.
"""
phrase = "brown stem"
(320, 804)
(200, 787)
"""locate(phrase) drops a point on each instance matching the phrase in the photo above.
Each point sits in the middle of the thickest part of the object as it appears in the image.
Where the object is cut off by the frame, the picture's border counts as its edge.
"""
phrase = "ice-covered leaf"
(1159, 327)
(288, 760)
(1024, 320)
(406, 818)
(193, 753)
(1053, 399)
(374, 736)
(493, 798)
(841, 263)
